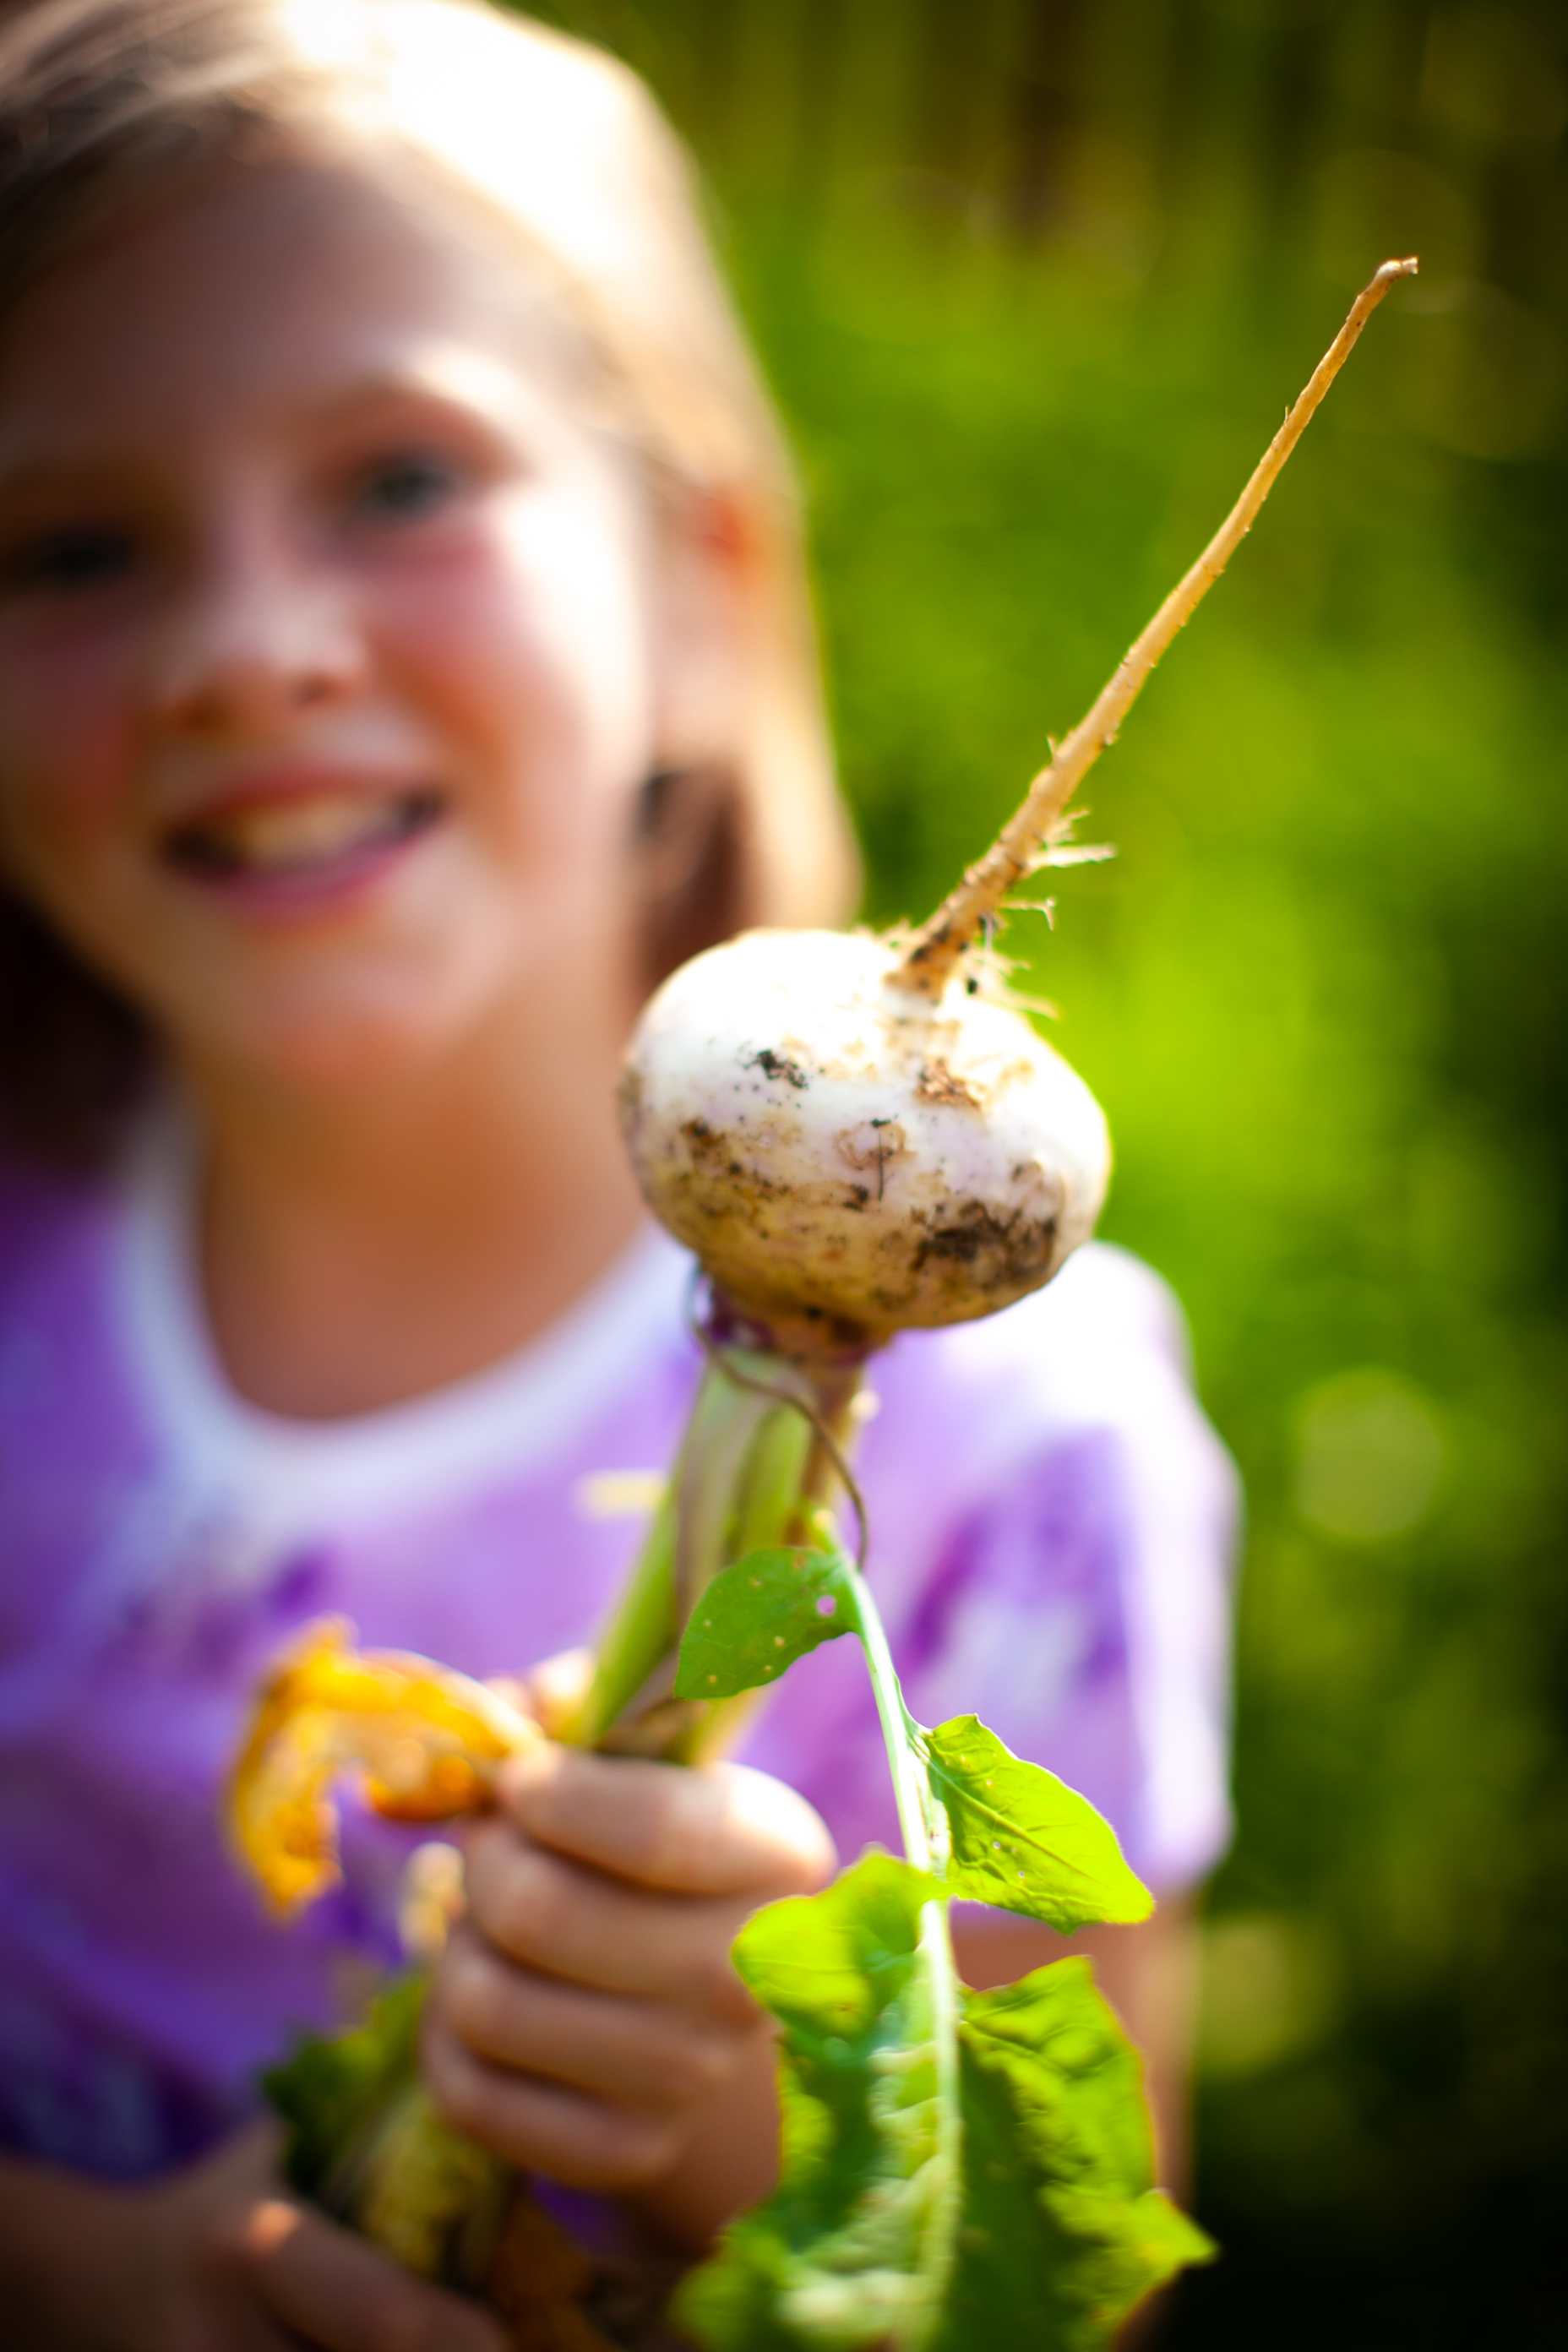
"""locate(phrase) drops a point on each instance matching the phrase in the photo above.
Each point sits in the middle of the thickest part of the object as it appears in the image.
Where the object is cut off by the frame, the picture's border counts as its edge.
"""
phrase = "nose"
(258, 634)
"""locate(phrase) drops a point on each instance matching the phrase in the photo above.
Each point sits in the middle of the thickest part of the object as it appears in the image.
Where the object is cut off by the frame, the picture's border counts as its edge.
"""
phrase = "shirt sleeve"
(1081, 1604)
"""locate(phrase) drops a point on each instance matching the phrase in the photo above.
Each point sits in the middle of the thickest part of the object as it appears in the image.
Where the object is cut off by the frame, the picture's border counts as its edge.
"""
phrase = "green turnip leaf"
(1061, 2232)
(855, 2246)
(1023, 1840)
(828, 1964)
(1058, 2232)
(326, 2089)
(366, 2142)
(958, 2170)
(761, 1614)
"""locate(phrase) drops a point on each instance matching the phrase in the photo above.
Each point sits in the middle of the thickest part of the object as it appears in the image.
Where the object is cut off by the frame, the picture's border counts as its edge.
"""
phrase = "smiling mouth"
(282, 840)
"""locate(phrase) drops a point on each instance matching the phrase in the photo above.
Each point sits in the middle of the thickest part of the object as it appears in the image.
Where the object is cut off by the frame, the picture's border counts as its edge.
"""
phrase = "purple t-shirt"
(1052, 1522)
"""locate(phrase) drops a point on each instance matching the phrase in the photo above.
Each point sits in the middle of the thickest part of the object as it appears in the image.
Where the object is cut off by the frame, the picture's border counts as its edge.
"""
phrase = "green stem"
(923, 1825)
(752, 1471)
(689, 1523)
(911, 1790)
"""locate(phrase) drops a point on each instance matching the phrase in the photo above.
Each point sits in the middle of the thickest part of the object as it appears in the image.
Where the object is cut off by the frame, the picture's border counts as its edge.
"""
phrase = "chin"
(339, 1040)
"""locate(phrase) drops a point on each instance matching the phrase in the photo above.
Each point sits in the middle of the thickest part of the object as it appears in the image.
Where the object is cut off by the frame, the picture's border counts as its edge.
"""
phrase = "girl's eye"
(406, 489)
(73, 559)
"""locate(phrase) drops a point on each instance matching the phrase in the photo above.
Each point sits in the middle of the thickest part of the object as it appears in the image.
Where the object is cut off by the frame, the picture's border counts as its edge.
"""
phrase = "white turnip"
(857, 1135)
(847, 1157)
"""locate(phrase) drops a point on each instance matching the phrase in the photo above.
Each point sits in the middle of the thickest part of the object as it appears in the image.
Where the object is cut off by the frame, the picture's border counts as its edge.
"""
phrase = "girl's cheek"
(531, 651)
(65, 735)
(570, 607)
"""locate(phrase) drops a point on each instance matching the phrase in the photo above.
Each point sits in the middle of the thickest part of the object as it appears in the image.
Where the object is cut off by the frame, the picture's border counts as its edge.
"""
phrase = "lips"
(313, 837)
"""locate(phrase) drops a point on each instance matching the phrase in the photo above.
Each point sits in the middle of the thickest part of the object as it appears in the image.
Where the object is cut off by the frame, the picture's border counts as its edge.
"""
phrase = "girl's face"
(334, 640)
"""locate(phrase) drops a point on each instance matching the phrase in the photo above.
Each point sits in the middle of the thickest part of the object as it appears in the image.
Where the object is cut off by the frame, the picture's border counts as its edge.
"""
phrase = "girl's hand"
(220, 2258)
(586, 2018)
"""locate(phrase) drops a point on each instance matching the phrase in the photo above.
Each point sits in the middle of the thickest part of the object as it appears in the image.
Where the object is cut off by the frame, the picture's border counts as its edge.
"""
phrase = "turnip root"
(858, 1136)
(847, 1157)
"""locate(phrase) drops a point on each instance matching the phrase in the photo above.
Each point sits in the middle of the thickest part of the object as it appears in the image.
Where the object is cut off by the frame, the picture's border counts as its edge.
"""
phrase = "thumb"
(555, 1689)
(341, 2292)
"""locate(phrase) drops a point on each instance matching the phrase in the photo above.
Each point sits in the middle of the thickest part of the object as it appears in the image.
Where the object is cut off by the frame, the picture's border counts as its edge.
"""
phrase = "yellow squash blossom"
(425, 1743)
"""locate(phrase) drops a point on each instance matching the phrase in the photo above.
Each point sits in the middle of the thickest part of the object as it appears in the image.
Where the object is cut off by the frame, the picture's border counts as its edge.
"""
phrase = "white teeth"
(287, 836)
(306, 831)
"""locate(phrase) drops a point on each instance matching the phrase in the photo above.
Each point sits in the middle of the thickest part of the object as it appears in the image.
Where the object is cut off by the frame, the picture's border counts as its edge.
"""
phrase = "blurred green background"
(1035, 279)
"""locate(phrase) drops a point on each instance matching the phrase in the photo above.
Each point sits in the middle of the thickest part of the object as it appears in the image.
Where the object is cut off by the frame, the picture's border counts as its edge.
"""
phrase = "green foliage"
(1013, 1834)
(1061, 2230)
(365, 2142)
(856, 2244)
(1056, 2233)
(328, 2088)
(759, 1615)
(1022, 1839)
(830, 1964)
(951, 2163)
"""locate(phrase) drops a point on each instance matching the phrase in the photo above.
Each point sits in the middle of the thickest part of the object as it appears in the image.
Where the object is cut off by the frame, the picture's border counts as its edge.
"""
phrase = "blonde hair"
(108, 103)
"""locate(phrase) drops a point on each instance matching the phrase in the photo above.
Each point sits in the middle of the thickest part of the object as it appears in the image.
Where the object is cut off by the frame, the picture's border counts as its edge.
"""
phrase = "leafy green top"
(958, 2167)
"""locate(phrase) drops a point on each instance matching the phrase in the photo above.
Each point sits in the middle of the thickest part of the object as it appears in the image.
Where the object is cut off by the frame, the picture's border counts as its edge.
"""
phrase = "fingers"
(587, 2010)
(724, 1830)
(341, 2294)
(584, 2141)
(593, 1930)
(642, 2051)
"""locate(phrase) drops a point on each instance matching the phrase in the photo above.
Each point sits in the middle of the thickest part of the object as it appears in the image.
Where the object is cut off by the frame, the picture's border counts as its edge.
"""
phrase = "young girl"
(403, 660)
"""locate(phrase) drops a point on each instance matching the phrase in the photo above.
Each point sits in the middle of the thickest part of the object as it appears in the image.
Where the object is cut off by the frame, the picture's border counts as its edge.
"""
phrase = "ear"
(700, 609)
